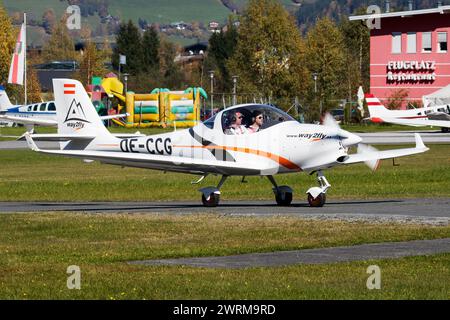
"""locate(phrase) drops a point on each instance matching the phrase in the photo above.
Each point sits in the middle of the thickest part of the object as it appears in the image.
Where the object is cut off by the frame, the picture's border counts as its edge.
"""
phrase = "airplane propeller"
(365, 149)
(350, 139)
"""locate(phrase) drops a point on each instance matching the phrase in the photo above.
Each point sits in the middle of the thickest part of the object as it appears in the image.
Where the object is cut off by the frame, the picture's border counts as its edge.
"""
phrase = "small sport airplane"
(436, 116)
(35, 114)
(281, 145)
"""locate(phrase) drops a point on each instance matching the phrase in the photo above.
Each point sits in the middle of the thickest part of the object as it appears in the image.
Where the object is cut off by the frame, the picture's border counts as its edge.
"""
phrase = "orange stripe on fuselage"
(283, 161)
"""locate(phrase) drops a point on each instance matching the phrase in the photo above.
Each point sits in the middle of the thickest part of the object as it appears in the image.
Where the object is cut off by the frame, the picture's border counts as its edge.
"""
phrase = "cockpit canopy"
(271, 116)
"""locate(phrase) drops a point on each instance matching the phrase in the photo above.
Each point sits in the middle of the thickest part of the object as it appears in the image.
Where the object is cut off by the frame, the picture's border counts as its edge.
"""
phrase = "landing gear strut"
(283, 194)
(211, 195)
(317, 195)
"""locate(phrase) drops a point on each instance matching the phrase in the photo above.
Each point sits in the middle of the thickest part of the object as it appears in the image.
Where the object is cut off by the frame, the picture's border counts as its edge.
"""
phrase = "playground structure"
(160, 108)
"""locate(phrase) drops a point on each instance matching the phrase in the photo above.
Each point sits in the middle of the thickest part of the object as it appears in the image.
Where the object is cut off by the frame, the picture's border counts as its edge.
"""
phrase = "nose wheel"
(317, 195)
(317, 202)
(211, 201)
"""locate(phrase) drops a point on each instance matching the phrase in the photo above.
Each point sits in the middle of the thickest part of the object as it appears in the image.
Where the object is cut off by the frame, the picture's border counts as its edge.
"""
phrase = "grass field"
(27, 176)
(38, 248)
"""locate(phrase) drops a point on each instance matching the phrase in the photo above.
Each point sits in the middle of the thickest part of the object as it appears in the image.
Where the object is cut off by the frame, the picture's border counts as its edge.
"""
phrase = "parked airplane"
(39, 114)
(436, 116)
(278, 145)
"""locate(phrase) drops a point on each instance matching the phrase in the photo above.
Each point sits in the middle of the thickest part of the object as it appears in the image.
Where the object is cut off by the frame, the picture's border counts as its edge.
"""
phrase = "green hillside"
(167, 11)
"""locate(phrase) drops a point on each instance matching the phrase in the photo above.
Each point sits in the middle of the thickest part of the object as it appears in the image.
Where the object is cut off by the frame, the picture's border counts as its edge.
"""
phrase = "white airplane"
(436, 116)
(35, 114)
(282, 145)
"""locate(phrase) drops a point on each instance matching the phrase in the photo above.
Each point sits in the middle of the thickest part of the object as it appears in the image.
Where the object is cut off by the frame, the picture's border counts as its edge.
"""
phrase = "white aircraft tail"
(376, 109)
(4, 100)
(75, 112)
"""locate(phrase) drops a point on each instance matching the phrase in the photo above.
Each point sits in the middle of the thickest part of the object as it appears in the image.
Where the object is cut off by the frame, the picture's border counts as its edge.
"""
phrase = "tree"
(221, 47)
(150, 45)
(326, 57)
(60, 46)
(357, 44)
(129, 43)
(92, 63)
(8, 37)
(269, 58)
(33, 85)
(7, 42)
(49, 20)
(170, 72)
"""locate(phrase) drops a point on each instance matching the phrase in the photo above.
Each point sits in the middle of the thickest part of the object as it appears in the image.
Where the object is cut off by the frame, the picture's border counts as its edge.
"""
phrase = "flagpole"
(25, 57)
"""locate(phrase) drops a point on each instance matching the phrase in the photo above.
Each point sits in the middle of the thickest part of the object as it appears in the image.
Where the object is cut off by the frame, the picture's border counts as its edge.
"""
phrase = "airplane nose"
(351, 139)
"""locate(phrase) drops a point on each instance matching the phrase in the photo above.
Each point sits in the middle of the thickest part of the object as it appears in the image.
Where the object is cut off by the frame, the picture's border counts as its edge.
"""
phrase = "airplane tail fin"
(75, 112)
(4, 100)
(376, 109)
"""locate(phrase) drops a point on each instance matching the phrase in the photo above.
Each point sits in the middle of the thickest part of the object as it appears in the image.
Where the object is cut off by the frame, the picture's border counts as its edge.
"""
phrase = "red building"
(409, 51)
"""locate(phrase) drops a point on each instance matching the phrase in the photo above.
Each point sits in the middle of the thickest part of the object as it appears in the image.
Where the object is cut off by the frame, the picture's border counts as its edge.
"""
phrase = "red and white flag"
(17, 69)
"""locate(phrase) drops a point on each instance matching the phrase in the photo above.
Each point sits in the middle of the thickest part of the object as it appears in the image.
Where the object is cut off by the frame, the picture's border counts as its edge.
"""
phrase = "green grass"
(30, 176)
(38, 248)
(36, 8)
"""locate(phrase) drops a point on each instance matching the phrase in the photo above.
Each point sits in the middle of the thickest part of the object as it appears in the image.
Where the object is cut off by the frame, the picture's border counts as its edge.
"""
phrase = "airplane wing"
(57, 137)
(70, 137)
(157, 162)
(375, 155)
(419, 122)
(35, 121)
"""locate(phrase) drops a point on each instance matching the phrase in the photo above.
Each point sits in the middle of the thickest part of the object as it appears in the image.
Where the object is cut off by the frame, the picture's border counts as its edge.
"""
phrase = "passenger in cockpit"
(258, 120)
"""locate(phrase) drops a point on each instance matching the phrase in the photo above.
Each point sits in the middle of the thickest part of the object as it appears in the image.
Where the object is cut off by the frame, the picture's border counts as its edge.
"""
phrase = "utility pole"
(211, 75)
(234, 89)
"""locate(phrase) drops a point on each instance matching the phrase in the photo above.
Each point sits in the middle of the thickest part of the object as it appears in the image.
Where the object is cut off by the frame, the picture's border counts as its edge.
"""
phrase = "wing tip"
(419, 142)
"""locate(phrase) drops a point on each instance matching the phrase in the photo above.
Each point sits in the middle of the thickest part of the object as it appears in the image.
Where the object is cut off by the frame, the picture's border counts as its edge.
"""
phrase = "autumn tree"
(170, 72)
(60, 46)
(8, 37)
(269, 57)
(92, 63)
(33, 85)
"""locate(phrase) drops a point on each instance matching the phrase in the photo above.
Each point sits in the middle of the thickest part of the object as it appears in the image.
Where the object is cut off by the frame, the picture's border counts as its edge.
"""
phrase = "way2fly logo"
(75, 118)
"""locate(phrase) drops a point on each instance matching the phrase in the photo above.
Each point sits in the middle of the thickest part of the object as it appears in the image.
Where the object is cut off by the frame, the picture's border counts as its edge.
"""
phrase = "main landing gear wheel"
(283, 194)
(211, 195)
(317, 202)
(212, 201)
(283, 201)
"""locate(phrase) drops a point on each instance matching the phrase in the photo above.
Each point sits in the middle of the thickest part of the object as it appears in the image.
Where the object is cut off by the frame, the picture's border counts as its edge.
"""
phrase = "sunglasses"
(260, 117)
(241, 117)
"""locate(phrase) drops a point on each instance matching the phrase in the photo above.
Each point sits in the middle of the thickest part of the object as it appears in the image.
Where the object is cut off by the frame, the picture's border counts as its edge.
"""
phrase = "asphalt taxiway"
(427, 210)
(365, 252)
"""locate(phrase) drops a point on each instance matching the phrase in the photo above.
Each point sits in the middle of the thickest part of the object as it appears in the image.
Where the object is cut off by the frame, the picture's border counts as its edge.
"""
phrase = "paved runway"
(404, 137)
(435, 211)
(375, 251)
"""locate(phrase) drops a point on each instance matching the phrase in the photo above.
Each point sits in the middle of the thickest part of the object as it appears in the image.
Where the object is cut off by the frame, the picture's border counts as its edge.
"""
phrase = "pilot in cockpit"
(236, 127)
